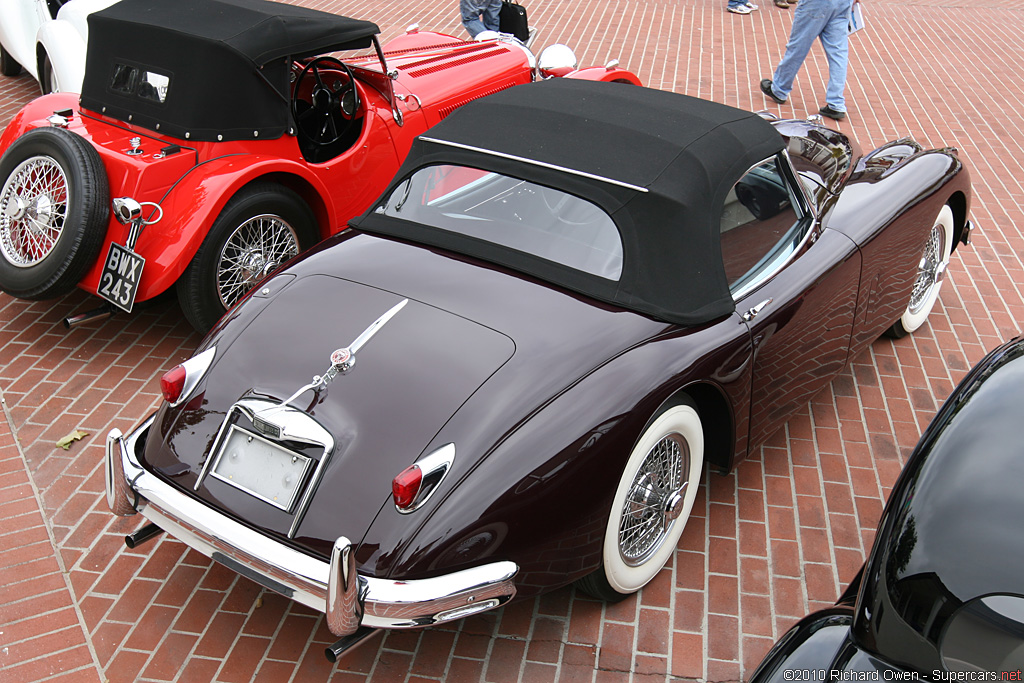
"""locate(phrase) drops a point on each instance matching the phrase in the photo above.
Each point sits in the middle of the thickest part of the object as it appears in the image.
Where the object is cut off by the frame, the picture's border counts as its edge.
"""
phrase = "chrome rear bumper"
(333, 587)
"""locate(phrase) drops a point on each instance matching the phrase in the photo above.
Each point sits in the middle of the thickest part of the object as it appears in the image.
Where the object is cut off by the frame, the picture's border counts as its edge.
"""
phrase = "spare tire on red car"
(54, 203)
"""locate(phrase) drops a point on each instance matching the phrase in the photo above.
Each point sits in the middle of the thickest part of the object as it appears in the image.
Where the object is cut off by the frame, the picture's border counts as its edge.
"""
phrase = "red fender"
(335, 191)
(603, 73)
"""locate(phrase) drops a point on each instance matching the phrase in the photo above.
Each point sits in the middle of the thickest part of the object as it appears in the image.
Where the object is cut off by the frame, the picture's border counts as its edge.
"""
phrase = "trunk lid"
(406, 382)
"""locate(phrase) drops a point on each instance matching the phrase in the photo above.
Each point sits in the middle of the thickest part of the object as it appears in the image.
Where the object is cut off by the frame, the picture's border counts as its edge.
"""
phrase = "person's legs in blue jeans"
(809, 19)
(835, 39)
(470, 12)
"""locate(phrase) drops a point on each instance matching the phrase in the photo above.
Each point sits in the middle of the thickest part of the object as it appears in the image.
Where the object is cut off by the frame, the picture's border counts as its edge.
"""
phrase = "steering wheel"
(331, 108)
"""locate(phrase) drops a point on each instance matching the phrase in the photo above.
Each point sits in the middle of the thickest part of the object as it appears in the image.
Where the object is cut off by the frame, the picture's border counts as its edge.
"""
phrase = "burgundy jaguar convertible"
(508, 375)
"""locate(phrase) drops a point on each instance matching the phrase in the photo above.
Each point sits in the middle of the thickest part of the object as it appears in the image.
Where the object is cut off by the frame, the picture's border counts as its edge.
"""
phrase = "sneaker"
(833, 114)
(740, 9)
(752, 6)
(766, 88)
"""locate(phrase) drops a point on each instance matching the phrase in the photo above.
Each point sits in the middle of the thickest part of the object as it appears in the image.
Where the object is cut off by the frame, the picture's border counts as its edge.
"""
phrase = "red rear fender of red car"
(190, 205)
(193, 182)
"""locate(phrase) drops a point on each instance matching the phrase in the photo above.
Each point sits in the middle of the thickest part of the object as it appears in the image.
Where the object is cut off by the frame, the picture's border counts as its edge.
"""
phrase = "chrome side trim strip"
(534, 162)
(353, 600)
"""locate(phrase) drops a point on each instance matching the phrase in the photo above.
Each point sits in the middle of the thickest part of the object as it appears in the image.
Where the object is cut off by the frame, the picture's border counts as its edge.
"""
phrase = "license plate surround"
(259, 467)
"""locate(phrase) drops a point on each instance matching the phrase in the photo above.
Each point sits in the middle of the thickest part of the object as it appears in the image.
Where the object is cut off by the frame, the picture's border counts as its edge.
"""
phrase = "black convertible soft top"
(660, 163)
(225, 61)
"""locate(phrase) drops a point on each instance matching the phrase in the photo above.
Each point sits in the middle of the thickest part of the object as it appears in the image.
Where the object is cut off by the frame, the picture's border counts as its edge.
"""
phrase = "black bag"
(512, 19)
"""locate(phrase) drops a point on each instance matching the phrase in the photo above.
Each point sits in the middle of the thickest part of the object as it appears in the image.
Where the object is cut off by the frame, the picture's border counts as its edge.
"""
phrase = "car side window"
(148, 85)
(763, 223)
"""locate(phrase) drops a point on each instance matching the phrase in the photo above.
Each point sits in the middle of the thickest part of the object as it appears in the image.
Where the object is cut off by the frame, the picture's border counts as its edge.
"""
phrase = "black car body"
(941, 597)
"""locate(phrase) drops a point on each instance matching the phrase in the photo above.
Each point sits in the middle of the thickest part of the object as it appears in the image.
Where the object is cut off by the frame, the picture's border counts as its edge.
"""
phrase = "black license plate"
(119, 281)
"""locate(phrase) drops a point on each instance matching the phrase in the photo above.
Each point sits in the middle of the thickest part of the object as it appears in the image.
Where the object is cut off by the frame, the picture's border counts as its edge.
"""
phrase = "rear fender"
(65, 46)
(192, 205)
(537, 489)
(17, 31)
(610, 74)
(809, 650)
(33, 115)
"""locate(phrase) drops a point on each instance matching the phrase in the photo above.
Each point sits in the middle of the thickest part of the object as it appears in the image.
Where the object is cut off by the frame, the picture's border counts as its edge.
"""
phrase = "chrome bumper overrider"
(348, 599)
(965, 236)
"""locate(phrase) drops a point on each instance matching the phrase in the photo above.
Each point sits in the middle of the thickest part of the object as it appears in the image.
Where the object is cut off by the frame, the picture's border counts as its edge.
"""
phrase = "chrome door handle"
(752, 313)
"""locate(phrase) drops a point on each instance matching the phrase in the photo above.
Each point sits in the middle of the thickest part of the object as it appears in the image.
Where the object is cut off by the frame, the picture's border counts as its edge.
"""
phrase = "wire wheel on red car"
(930, 274)
(53, 213)
(652, 503)
(260, 228)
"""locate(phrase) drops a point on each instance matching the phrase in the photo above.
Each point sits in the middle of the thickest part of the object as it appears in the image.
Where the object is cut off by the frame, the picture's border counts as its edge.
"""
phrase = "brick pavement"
(777, 537)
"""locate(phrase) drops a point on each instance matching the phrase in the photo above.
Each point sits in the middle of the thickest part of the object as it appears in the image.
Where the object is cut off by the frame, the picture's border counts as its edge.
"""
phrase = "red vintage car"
(214, 140)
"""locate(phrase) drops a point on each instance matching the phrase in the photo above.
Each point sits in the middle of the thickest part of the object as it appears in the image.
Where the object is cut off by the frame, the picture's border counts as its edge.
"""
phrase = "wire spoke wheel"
(33, 210)
(255, 249)
(931, 271)
(651, 503)
(647, 513)
(928, 270)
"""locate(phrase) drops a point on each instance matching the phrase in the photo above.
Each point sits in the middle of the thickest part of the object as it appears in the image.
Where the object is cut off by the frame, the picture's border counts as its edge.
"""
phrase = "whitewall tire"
(930, 275)
(652, 502)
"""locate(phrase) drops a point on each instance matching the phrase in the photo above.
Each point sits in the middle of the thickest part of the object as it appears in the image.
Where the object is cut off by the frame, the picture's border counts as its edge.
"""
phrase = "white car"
(47, 38)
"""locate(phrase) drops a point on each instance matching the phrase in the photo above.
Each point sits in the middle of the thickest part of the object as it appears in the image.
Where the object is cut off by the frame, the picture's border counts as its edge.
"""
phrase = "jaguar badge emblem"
(340, 357)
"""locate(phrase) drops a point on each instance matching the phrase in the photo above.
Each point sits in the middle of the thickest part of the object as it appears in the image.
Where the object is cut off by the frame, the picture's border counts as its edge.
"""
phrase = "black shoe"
(766, 88)
(831, 113)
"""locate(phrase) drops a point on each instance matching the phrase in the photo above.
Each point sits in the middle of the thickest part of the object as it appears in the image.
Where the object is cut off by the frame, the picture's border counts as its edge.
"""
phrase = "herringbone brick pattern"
(779, 536)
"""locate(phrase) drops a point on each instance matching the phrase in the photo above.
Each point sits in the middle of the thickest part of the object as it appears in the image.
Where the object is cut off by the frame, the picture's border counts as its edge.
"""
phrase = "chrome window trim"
(807, 214)
(534, 162)
(379, 603)
(794, 177)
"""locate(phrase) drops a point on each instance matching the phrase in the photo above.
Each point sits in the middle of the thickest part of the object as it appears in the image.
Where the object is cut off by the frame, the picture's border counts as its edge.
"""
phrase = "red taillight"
(406, 486)
(173, 383)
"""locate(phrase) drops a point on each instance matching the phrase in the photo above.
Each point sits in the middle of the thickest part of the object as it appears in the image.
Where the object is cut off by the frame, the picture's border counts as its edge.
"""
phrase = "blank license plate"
(119, 281)
(261, 468)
